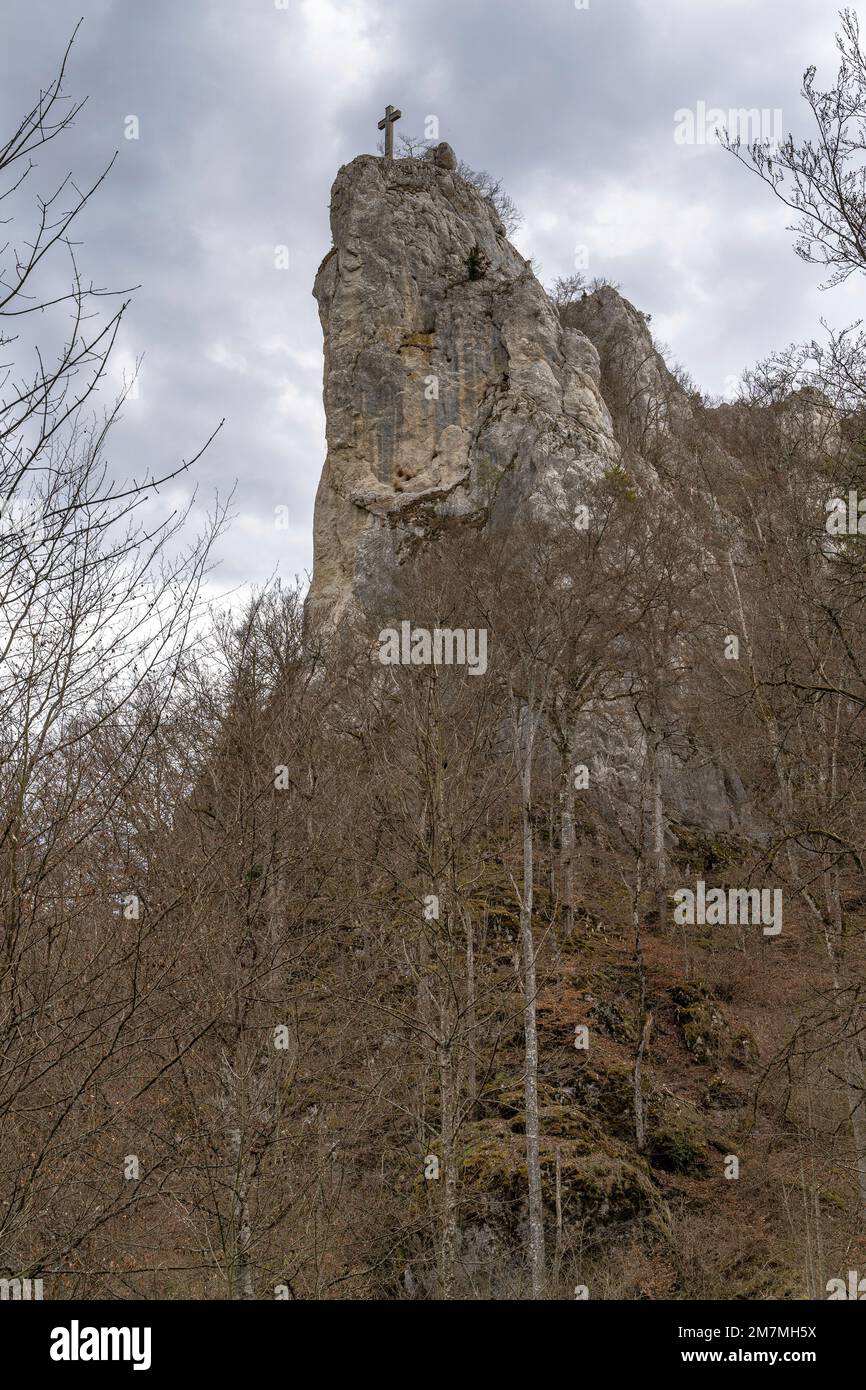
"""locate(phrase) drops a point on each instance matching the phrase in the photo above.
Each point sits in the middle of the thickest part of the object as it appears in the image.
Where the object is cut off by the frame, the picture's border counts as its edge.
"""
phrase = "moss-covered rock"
(677, 1143)
(609, 1018)
(687, 993)
(601, 1182)
(504, 918)
(608, 1096)
(703, 1025)
(560, 1116)
(602, 1188)
(703, 852)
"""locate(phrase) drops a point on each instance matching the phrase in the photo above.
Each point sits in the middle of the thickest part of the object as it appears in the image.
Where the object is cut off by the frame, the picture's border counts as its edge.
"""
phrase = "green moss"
(704, 1032)
(489, 475)
(602, 1188)
(566, 1122)
(701, 851)
(702, 1023)
(678, 1144)
(600, 1182)
(688, 993)
(833, 1199)
(504, 918)
(619, 482)
(607, 1098)
(492, 1162)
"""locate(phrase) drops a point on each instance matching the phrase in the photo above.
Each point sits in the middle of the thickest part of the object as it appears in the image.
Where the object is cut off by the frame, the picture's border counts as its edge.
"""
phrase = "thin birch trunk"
(557, 1258)
(657, 824)
(241, 1228)
(566, 832)
(449, 1163)
(471, 1018)
(527, 724)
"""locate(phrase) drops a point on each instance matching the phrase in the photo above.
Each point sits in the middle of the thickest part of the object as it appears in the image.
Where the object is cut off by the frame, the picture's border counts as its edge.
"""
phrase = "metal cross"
(387, 124)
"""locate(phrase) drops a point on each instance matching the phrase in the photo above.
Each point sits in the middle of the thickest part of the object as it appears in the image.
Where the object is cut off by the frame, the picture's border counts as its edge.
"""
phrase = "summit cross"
(387, 124)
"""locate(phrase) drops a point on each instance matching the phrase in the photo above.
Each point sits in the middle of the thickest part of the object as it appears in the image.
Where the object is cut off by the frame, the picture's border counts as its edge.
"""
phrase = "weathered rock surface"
(453, 392)
(457, 394)
(443, 155)
(637, 384)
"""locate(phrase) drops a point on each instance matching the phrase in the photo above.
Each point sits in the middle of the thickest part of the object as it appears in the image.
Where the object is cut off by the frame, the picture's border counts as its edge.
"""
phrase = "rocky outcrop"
(457, 394)
(453, 392)
(443, 155)
(639, 389)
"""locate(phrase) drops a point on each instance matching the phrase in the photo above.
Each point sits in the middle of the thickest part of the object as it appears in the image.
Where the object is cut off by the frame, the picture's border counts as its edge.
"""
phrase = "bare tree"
(822, 180)
(98, 609)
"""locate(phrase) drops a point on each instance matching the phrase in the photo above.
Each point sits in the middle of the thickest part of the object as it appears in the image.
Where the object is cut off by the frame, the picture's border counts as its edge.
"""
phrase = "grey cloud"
(246, 112)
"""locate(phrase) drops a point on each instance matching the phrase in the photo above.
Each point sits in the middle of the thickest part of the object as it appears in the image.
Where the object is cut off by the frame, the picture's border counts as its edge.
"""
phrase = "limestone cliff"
(453, 392)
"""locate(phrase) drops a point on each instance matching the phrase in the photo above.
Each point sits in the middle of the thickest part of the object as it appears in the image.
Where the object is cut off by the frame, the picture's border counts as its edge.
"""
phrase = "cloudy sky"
(244, 111)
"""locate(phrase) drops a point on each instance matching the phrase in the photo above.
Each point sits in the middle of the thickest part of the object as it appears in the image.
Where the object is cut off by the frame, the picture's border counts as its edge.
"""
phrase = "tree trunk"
(527, 725)
(449, 1163)
(471, 1039)
(241, 1230)
(657, 827)
(855, 1079)
(566, 834)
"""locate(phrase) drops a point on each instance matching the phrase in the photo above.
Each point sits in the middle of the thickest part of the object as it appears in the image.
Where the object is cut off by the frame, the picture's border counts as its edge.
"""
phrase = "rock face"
(638, 386)
(457, 394)
(453, 392)
(443, 155)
